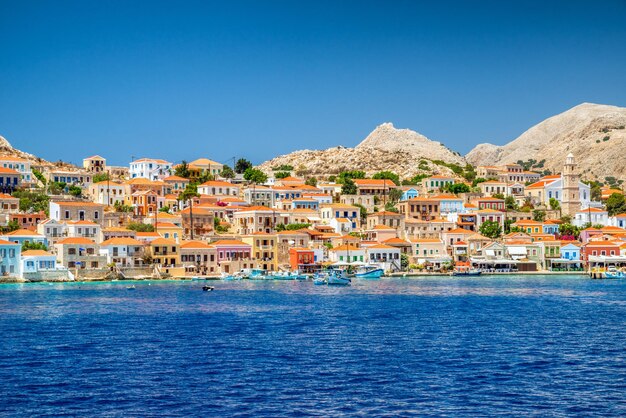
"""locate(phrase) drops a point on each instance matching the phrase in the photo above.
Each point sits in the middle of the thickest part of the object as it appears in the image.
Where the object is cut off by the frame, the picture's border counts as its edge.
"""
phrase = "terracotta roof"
(229, 242)
(195, 245)
(374, 182)
(23, 233)
(36, 253)
(80, 204)
(5, 170)
(383, 247)
(4, 242)
(163, 241)
(121, 241)
(76, 241)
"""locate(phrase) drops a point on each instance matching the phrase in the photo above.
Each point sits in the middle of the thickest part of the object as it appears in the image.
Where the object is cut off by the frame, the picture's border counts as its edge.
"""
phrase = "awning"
(517, 250)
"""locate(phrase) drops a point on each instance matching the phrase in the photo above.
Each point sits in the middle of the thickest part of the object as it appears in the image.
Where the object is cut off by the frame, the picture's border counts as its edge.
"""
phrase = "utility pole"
(191, 215)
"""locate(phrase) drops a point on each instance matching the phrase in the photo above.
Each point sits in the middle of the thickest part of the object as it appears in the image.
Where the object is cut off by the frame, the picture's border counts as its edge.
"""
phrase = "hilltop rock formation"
(594, 133)
(385, 148)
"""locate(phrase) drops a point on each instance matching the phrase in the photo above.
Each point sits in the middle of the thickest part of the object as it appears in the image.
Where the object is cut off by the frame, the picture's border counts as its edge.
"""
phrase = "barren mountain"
(594, 133)
(385, 148)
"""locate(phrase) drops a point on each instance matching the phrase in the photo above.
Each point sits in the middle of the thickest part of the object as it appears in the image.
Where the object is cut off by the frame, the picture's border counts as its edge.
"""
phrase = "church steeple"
(570, 203)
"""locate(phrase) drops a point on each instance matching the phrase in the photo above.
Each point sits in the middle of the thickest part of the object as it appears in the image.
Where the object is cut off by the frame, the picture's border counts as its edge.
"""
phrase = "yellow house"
(168, 230)
(165, 252)
(264, 249)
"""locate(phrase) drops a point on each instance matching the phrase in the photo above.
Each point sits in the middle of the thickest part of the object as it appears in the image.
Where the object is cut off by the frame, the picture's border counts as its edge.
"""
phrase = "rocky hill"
(594, 133)
(385, 148)
(6, 149)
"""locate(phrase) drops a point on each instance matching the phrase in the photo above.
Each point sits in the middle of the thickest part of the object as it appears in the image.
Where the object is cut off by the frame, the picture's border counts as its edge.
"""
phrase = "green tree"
(39, 176)
(75, 191)
(353, 174)
(491, 229)
(120, 207)
(281, 174)
(539, 215)
(567, 229)
(296, 226)
(404, 262)
(31, 201)
(415, 180)
(507, 225)
(254, 175)
(390, 207)
(283, 167)
(349, 186)
(140, 227)
(395, 195)
(56, 187)
(616, 204)
(10, 227)
(478, 181)
(554, 204)
(27, 245)
(165, 209)
(182, 170)
(227, 172)
(98, 177)
(362, 212)
(457, 188)
(242, 165)
(387, 175)
(311, 181)
(510, 203)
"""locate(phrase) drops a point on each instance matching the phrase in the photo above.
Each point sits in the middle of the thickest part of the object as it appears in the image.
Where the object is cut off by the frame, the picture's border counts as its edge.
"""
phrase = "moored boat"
(369, 271)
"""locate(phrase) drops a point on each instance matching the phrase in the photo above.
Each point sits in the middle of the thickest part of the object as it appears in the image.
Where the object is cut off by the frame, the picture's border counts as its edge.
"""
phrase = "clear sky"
(187, 79)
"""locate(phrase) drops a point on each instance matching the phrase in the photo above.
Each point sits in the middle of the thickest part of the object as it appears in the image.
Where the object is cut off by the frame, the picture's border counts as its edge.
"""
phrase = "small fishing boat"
(338, 277)
(130, 287)
(320, 280)
(207, 288)
(369, 271)
(255, 274)
(613, 273)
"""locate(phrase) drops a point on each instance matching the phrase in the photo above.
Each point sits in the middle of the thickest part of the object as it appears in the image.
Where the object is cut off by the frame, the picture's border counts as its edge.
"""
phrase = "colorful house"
(10, 258)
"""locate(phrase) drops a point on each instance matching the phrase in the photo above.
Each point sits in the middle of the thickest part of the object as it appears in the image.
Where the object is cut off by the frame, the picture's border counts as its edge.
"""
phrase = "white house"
(347, 253)
(149, 168)
(594, 215)
(385, 255)
(35, 261)
(218, 188)
(20, 165)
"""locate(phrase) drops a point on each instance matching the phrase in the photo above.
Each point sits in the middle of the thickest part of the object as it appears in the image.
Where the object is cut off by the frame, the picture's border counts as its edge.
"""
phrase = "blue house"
(410, 193)
(570, 252)
(550, 228)
(10, 258)
(24, 235)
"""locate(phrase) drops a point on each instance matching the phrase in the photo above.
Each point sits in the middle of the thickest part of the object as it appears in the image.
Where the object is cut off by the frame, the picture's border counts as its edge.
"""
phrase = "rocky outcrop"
(595, 134)
(385, 148)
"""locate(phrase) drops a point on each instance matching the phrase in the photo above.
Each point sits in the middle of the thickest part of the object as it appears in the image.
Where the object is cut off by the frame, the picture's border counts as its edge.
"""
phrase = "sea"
(432, 346)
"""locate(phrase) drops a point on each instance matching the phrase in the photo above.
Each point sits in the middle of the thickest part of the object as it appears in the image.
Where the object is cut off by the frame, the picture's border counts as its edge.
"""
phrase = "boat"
(207, 288)
(369, 271)
(338, 277)
(613, 273)
(319, 280)
(254, 274)
(229, 277)
(130, 287)
(466, 272)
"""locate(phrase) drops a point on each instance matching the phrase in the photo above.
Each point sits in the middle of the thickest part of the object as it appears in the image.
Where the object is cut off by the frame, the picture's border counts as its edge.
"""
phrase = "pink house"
(233, 255)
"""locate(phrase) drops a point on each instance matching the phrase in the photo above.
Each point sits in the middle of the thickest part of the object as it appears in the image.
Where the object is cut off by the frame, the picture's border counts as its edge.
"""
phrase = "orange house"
(302, 259)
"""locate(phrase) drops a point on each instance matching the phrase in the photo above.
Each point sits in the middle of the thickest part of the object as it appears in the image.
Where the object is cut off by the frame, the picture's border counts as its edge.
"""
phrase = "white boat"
(338, 277)
(369, 271)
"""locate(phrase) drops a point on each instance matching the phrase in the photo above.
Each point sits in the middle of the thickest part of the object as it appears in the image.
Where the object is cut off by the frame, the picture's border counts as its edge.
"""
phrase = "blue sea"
(489, 346)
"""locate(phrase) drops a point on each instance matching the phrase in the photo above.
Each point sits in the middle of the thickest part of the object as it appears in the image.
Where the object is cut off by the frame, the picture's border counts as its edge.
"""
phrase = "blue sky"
(188, 79)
